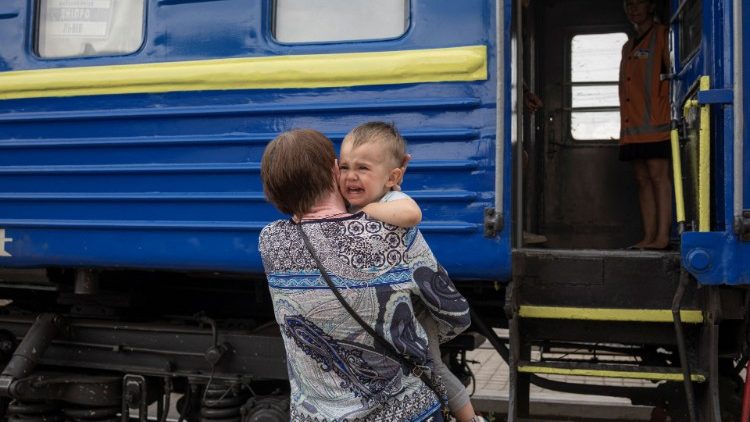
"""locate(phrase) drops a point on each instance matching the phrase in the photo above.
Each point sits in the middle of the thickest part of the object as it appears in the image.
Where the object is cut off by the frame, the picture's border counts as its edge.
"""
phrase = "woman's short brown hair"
(297, 170)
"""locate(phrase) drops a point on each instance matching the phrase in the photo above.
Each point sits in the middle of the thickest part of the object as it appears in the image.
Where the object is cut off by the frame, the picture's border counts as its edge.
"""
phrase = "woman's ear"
(394, 177)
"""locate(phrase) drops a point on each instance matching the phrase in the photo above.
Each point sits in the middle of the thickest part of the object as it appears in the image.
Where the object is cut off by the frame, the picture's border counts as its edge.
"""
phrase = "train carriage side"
(149, 158)
(130, 202)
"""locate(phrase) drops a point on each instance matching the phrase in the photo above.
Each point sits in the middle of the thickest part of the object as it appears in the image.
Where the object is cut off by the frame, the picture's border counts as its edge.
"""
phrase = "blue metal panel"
(716, 258)
(171, 180)
(715, 96)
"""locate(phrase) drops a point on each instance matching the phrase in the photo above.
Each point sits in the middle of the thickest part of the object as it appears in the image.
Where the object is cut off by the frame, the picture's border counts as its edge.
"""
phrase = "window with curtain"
(86, 28)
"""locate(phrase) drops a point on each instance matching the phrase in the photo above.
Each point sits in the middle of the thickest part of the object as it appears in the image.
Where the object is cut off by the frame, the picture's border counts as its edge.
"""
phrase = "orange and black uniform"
(644, 97)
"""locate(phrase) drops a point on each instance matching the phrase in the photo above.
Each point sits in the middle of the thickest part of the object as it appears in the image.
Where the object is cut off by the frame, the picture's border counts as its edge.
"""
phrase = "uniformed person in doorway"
(645, 119)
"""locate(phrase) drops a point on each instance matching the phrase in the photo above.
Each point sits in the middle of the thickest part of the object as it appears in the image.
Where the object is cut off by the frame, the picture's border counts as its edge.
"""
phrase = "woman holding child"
(338, 370)
(371, 169)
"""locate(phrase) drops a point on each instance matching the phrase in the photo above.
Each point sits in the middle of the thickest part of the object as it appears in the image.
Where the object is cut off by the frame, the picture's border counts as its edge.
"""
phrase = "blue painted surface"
(746, 97)
(719, 256)
(171, 180)
(716, 258)
(715, 96)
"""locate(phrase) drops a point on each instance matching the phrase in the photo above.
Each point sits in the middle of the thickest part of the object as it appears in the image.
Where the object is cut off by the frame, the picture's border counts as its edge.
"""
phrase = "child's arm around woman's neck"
(403, 212)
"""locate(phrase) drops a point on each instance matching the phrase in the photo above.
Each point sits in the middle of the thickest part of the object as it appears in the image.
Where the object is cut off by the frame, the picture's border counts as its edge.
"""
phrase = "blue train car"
(143, 150)
(131, 133)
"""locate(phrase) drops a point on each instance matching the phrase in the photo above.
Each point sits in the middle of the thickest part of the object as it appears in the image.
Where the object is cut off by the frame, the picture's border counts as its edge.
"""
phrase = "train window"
(690, 29)
(85, 28)
(594, 72)
(303, 21)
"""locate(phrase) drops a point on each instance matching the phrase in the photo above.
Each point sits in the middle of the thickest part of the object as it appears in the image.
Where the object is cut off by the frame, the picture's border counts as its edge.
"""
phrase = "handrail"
(704, 162)
(679, 195)
(677, 12)
(500, 107)
(704, 159)
(517, 149)
(738, 111)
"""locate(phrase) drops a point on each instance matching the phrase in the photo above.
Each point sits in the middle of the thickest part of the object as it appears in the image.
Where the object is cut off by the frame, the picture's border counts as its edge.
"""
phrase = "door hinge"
(493, 222)
(742, 226)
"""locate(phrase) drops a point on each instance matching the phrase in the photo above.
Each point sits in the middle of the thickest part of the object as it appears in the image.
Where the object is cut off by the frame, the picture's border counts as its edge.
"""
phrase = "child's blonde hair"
(380, 132)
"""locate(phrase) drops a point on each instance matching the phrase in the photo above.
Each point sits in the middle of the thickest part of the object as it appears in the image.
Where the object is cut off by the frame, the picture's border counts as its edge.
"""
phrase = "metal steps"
(636, 300)
(607, 279)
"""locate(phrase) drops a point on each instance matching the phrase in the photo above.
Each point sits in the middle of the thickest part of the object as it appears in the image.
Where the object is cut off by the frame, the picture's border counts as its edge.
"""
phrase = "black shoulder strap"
(415, 369)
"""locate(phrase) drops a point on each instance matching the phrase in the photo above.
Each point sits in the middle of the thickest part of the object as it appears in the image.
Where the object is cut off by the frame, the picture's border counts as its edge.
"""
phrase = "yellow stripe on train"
(609, 314)
(605, 373)
(298, 71)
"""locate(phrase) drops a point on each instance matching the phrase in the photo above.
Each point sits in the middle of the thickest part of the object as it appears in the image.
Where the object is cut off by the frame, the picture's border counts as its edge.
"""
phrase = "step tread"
(694, 316)
(608, 370)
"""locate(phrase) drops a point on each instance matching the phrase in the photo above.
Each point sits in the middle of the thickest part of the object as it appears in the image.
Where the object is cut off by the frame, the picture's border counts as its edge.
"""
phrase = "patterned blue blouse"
(337, 371)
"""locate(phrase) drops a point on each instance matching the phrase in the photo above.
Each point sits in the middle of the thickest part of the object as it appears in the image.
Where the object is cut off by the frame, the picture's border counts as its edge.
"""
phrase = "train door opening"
(576, 192)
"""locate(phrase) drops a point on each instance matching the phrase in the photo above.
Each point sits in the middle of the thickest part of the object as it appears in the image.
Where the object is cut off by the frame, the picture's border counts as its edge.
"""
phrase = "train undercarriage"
(76, 345)
(74, 348)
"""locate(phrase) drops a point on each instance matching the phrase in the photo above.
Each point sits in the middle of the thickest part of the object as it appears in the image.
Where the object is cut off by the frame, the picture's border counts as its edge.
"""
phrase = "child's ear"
(336, 174)
(395, 176)
(336, 170)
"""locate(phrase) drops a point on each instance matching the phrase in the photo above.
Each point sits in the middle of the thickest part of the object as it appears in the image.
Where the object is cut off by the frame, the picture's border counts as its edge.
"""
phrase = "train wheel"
(266, 409)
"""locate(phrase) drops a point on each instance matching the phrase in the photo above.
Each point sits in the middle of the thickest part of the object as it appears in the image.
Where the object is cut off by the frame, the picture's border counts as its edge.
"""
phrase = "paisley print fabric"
(441, 296)
(350, 362)
(337, 371)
